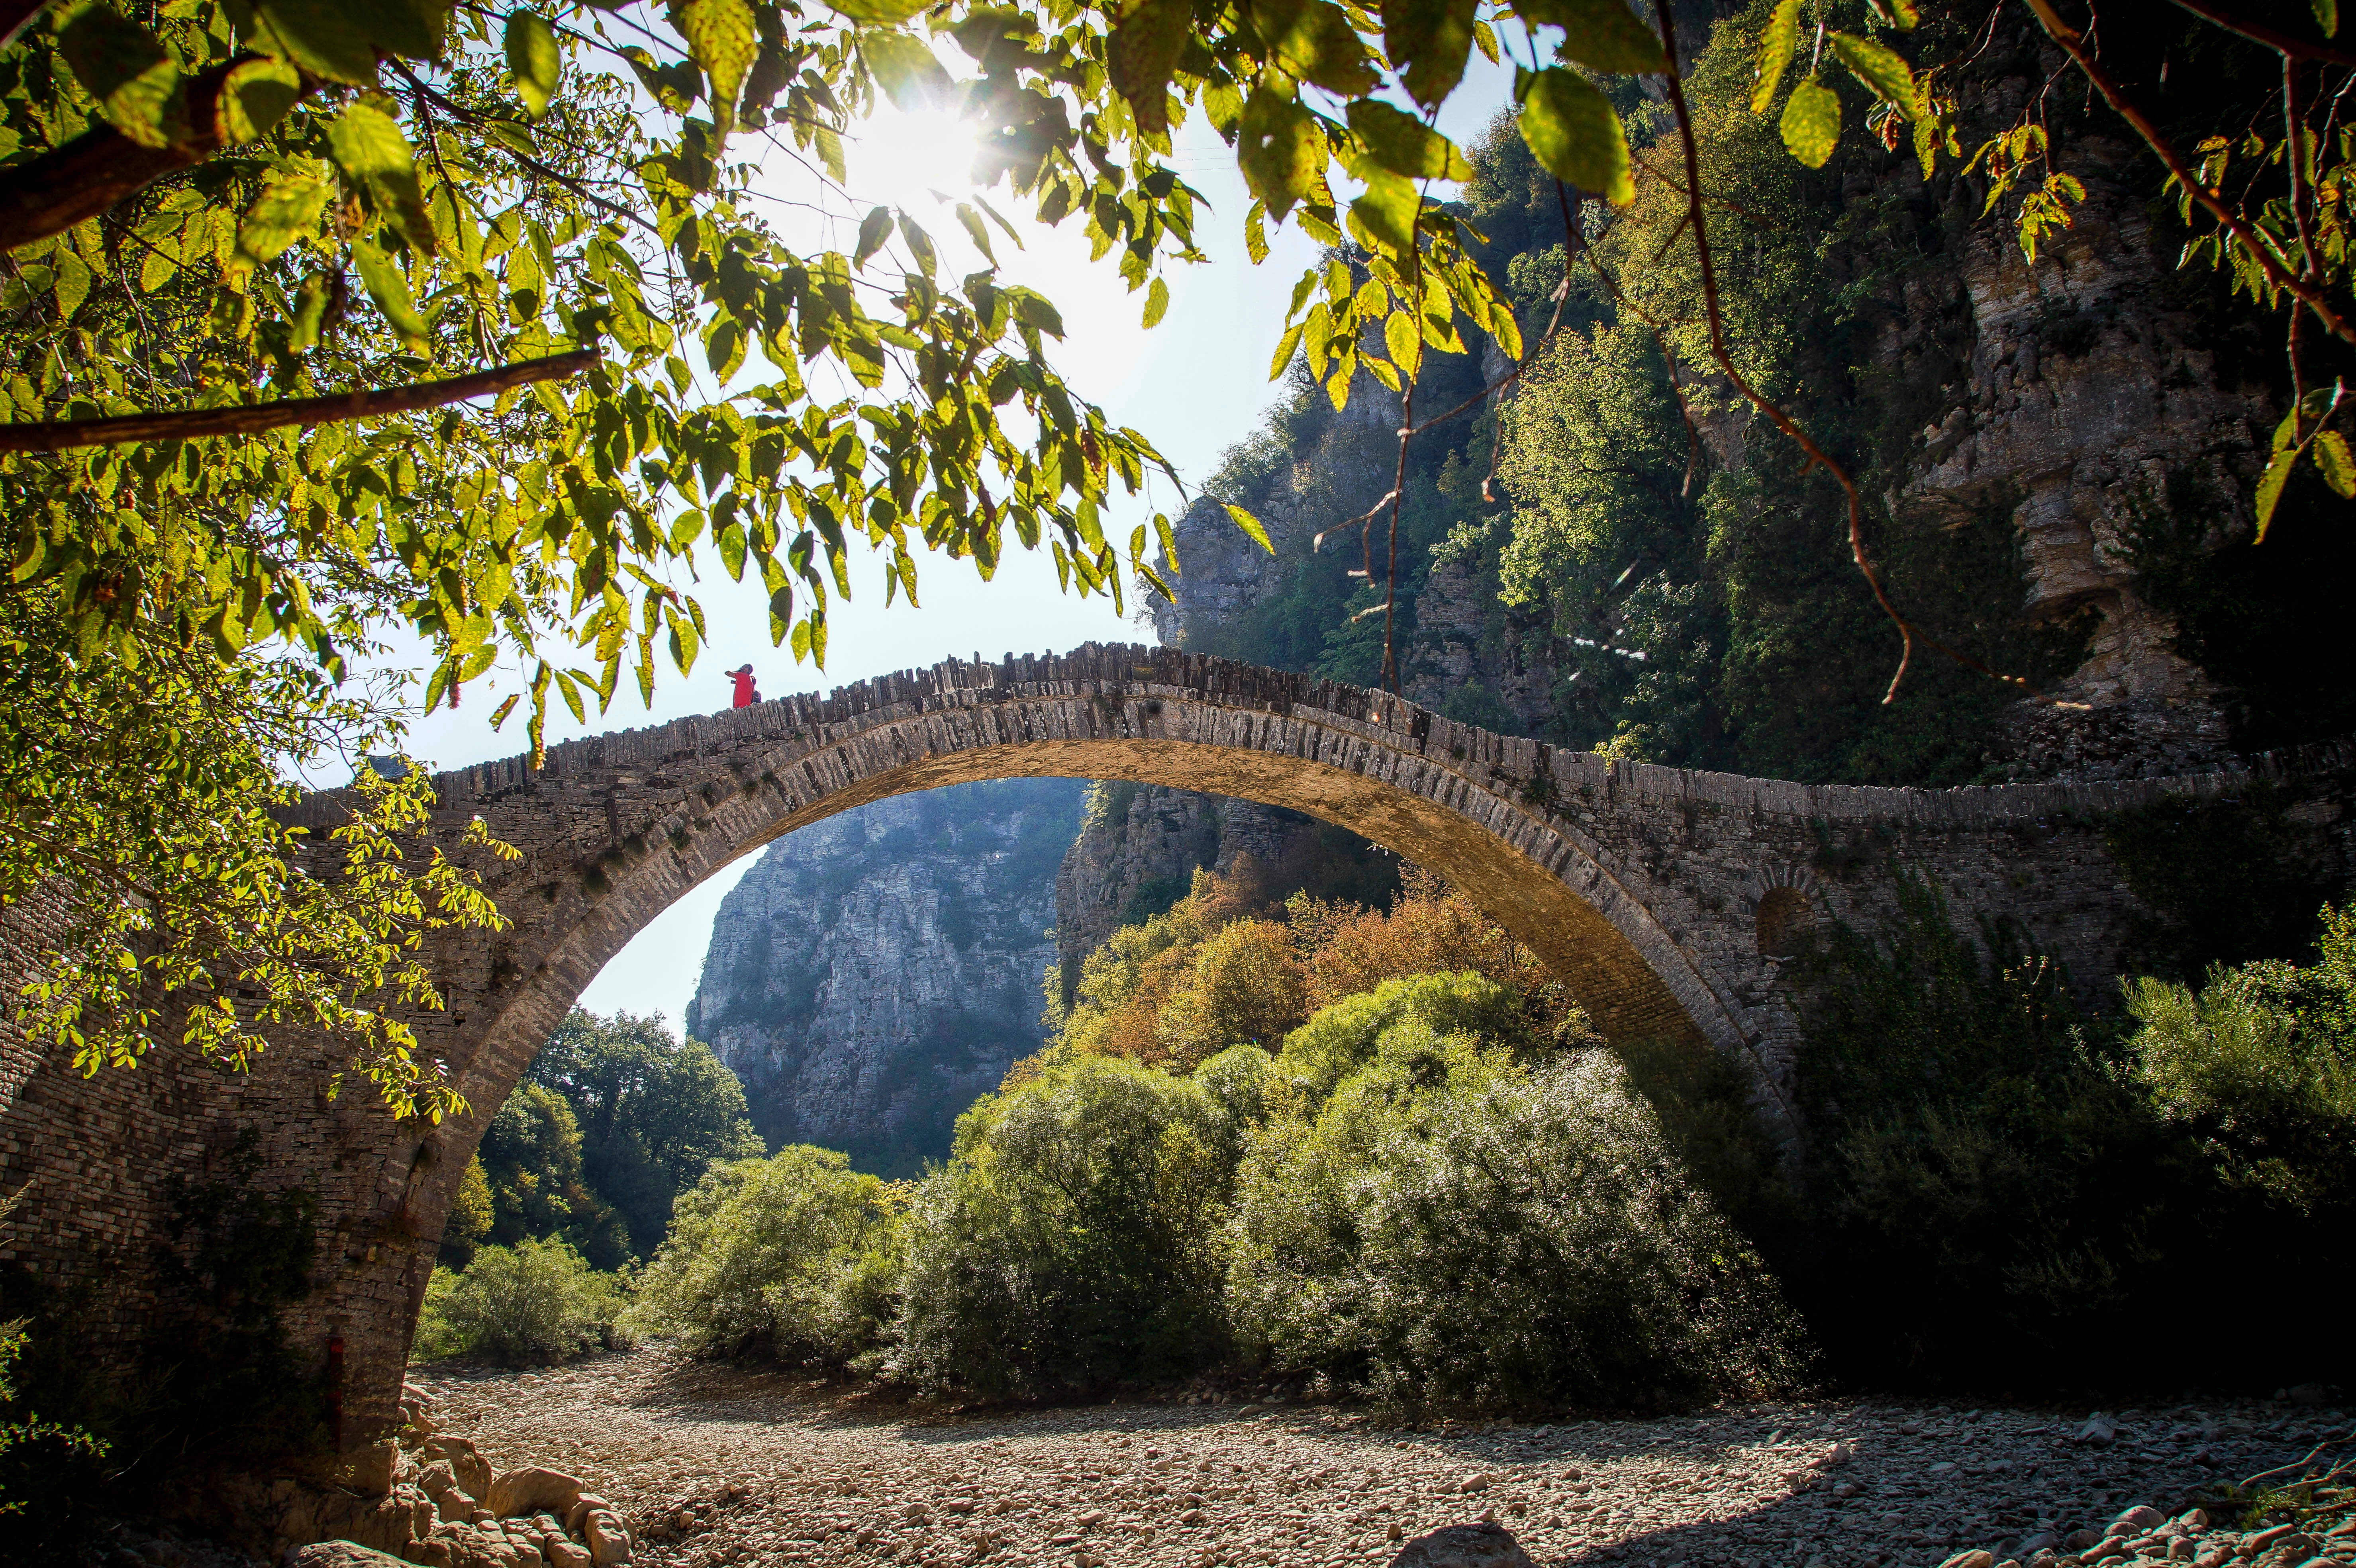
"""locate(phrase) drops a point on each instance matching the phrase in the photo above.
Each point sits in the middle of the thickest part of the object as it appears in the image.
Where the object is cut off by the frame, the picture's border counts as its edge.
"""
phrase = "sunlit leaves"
(532, 59)
(1429, 41)
(371, 149)
(906, 68)
(1603, 35)
(1279, 152)
(721, 38)
(1252, 528)
(1811, 123)
(1881, 69)
(254, 97)
(1143, 51)
(133, 78)
(1312, 42)
(288, 208)
(1575, 133)
(1777, 45)
(1405, 145)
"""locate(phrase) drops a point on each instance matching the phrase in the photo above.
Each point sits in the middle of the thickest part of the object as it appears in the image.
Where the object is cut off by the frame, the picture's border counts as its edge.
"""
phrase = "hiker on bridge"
(747, 693)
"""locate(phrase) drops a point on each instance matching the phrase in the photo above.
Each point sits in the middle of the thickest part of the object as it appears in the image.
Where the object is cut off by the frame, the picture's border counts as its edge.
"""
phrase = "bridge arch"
(679, 804)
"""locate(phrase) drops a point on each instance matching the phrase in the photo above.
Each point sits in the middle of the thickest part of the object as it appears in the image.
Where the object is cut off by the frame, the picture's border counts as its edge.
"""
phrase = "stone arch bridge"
(1665, 900)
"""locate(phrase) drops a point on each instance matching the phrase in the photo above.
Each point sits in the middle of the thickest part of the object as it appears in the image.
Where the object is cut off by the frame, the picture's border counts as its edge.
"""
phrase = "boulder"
(588, 1504)
(472, 1471)
(514, 1492)
(1975, 1558)
(565, 1555)
(434, 1552)
(607, 1538)
(450, 1500)
(1459, 1546)
(338, 1554)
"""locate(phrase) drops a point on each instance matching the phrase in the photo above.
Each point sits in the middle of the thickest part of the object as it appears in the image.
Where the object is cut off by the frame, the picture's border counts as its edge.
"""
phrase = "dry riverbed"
(717, 1465)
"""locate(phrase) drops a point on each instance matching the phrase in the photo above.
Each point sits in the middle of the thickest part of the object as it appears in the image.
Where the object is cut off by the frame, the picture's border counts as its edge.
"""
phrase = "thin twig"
(249, 419)
(1908, 633)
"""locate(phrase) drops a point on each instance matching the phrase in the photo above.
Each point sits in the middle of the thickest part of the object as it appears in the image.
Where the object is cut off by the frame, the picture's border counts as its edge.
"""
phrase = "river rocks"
(467, 1467)
(338, 1554)
(720, 1466)
(517, 1492)
(1464, 1546)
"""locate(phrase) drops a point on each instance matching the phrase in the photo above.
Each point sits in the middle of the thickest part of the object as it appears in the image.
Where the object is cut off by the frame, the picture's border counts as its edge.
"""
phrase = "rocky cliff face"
(876, 972)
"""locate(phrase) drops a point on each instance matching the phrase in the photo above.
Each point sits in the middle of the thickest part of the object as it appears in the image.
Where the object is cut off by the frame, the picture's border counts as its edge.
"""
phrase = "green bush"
(2261, 1064)
(522, 1306)
(1073, 1242)
(794, 1258)
(1454, 1227)
(2000, 1195)
(1342, 1038)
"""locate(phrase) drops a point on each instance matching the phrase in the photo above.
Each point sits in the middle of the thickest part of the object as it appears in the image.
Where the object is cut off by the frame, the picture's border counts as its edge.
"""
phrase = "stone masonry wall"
(1650, 891)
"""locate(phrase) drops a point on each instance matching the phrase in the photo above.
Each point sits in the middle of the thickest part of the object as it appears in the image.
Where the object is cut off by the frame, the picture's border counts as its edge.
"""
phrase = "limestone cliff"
(874, 973)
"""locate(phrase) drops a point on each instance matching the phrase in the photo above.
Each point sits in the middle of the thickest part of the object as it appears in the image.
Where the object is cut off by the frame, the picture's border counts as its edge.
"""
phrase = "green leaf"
(2270, 486)
(1279, 153)
(1601, 34)
(1142, 53)
(1312, 42)
(1811, 123)
(906, 68)
(1429, 42)
(873, 230)
(2338, 466)
(1903, 15)
(1404, 338)
(368, 146)
(2326, 16)
(254, 97)
(1575, 133)
(1404, 145)
(1777, 45)
(73, 282)
(339, 40)
(880, 12)
(1156, 303)
(1884, 72)
(1385, 213)
(532, 59)
(133, 78)
(722, 38)
(1251, 528)
(287, 208)
(390, 291)
(974, 231)
(1283, 359)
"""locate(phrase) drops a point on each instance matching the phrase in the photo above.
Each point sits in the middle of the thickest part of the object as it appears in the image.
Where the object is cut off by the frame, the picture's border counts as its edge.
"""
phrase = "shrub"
(522, 1306)
(1345, 1036)
(795, 1258)
(1452, 1227)
(1072, 1242)
(1243, 988)
(2261, 1064)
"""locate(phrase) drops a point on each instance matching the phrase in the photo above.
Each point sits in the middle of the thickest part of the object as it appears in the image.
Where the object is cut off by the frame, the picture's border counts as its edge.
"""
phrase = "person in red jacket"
(747, 693)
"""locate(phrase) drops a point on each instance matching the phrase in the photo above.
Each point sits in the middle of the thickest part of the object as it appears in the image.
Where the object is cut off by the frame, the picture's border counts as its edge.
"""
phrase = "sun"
(901, 159)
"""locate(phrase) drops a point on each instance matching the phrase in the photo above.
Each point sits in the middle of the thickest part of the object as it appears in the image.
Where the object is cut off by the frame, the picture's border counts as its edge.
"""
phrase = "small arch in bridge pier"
(1785, 915)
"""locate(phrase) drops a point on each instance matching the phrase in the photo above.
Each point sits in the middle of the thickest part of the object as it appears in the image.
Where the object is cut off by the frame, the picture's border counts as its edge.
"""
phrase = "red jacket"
(746, 693)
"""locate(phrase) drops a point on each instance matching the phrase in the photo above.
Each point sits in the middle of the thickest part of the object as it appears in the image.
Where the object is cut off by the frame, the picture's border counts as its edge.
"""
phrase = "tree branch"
(2277, 272)
(253, 418)
(2281, 43)
(15, 15)
(68, 184)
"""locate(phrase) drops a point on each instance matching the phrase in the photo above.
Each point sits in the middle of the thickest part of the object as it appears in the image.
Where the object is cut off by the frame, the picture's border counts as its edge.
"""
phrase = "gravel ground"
(720, 1465)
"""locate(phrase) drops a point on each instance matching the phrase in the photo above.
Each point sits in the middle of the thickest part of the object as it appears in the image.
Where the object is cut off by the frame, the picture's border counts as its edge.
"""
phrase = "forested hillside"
(2057, 458)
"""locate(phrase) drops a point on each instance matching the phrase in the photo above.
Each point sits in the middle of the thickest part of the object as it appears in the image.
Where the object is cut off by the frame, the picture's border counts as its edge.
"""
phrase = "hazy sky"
(1195, 385)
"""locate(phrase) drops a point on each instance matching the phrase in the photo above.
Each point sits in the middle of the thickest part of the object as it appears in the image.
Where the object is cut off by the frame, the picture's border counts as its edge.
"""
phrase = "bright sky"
(1195, 385)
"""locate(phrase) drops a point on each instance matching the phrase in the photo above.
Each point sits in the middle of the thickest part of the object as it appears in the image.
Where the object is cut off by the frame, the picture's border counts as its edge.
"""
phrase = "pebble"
(715, 1464)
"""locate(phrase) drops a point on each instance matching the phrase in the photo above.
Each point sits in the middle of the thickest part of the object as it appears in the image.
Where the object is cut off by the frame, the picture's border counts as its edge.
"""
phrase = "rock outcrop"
(876, 972)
